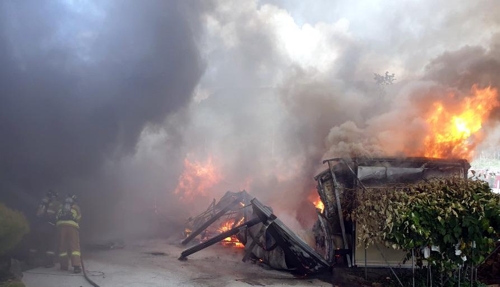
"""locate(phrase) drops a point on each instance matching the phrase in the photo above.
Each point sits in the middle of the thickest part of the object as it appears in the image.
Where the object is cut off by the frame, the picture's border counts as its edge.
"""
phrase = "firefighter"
(68, 218)
(44, 235)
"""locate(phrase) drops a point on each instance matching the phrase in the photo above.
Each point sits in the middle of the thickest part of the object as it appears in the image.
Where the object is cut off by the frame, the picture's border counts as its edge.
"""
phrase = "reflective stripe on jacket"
(67, 222)
(75, 217)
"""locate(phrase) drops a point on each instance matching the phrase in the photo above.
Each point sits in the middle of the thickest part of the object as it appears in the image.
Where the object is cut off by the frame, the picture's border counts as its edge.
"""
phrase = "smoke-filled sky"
(109, 99)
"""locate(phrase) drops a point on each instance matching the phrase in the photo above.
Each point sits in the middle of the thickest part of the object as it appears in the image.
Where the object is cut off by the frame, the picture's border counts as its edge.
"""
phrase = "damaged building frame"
(264, 236)
(267, 239)
(338, 187)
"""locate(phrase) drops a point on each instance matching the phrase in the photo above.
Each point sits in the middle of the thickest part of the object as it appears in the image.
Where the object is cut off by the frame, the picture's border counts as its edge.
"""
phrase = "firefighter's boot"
(77, 269)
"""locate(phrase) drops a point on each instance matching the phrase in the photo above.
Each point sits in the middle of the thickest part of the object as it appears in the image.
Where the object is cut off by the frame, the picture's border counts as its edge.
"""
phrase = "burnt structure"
(264, 236)
(338, 187)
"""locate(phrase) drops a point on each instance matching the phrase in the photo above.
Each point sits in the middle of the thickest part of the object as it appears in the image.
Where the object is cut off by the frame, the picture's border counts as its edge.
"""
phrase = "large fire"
(453, 128)
(197, 178)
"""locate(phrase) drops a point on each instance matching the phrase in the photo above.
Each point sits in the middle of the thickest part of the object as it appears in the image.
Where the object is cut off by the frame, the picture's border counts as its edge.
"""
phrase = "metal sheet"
(299, 255)
(375, 259)
(382, 173)
(378, 172)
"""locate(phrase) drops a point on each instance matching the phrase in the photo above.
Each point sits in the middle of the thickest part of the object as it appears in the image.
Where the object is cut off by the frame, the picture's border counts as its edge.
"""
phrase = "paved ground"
(135, 266)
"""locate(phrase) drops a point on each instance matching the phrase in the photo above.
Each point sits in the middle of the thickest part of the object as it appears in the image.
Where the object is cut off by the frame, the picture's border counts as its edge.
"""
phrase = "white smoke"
(288, 85)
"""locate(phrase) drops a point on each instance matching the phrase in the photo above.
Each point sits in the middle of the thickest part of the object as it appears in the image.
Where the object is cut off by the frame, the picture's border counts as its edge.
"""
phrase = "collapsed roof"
(264, 236)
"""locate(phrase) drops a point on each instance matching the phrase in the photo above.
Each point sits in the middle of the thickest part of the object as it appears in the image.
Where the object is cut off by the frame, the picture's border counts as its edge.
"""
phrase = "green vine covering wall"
(458, 218)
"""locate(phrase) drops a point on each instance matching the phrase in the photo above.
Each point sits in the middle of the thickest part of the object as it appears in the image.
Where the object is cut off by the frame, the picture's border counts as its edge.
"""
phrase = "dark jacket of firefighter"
(47, 210)
(68, 219)
(44, 231)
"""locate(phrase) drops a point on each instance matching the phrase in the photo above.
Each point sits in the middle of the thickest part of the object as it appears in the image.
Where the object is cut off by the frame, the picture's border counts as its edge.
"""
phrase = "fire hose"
(86, 276)
(91, 282)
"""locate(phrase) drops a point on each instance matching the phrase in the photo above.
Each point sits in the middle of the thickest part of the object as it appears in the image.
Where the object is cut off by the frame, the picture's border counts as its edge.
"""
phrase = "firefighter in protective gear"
(68, 219)
(44, 235)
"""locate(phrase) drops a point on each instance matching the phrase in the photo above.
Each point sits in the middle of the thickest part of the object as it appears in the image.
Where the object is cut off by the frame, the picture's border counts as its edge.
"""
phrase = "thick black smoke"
(80, 80)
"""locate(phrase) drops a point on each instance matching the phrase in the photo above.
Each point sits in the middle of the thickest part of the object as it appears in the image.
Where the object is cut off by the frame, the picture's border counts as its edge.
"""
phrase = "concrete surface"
(135, 266)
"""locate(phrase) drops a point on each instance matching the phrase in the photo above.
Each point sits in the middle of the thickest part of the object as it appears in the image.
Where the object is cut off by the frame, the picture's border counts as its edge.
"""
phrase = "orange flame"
(452, 129)
(197, 178)
(316, 200)
(232, 240)
(319, 205)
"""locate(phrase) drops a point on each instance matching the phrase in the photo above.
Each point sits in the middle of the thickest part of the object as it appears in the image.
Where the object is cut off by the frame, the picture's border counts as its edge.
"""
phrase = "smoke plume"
(79, 82)
(289, 85)
(116, 100)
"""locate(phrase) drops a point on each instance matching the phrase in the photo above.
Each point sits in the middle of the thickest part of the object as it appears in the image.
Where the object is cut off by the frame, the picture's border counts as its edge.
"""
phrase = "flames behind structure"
(454, 124)
(220, 217)
(245, 222)
(453, 130)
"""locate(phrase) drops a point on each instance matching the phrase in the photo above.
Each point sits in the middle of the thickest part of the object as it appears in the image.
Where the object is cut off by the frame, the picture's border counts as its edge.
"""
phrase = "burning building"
(339, 186)
(241, 221)
(452, 131)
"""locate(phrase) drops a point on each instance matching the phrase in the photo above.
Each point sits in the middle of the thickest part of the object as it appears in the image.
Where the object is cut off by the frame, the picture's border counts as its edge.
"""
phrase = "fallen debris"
(218, 238)
(263, 235)
(230, 203)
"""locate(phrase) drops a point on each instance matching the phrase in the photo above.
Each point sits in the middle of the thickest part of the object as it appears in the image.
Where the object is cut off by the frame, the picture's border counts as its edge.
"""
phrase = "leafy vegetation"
(458, 219)
(12, 284)
(13, 226)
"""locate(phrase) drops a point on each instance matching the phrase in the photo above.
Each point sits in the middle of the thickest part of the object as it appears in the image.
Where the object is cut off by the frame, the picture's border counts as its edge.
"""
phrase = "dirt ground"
(136, 266)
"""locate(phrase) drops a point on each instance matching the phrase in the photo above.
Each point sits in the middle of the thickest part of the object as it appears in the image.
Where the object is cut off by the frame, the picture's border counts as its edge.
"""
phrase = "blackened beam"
(257, 238)
(206, 213)
(329, 243)
(212, 219)
(339, 210)
(219, 237)
(301, 255)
